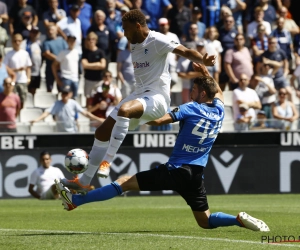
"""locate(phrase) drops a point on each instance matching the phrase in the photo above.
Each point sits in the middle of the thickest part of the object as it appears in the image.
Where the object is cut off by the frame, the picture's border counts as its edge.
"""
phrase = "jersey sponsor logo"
(137, 65)
(173, 42)
(226, 172)
(146, 51)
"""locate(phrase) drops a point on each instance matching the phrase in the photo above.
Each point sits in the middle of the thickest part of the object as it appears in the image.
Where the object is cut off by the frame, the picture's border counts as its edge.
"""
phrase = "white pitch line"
(150, 235)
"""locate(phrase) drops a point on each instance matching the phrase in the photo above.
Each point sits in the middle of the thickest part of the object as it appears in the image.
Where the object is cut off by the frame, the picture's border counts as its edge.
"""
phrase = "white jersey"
(149, 59)
(43, 178)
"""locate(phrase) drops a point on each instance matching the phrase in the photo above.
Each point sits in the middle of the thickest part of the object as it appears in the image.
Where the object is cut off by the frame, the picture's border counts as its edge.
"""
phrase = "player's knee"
(124, 110)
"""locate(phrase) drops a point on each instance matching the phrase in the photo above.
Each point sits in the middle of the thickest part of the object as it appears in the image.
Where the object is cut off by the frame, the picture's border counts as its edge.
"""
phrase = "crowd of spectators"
(257, 43)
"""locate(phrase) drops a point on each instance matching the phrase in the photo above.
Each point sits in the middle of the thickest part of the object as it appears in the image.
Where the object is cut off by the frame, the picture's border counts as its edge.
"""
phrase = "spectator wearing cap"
(64, 111)
(93, 63)
(244, 95)
(178, 16)
(214, 47)
(113, 19)
(237, 7)
(4, 73)
(19, 61)
(67, 62)
(100, 29)
(3, 13)
(21, 11)
(265, 89)
(85, 16)
(125, 69)
(245, 117)
(156, 9)
(100, 103)
(284, 111)
(196, 15)
(238, 61)
(71, 25)
(258, 19)
(33, 46)
(10, 106)
(54, 14)
(227, 36)
(171, 59)
(52, 46)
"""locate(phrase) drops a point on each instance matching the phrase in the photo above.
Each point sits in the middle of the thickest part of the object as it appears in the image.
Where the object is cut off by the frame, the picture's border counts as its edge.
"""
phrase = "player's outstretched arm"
(203, 71)
(166, 119)
(195, 56)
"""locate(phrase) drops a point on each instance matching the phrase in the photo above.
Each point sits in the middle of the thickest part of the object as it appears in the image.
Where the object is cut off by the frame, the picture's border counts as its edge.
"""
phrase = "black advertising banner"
(268, 163)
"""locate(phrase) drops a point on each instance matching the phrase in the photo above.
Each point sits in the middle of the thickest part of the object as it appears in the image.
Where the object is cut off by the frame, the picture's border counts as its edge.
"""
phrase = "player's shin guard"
(220, 219)
(100, 194)
(117, 136)
(96, 155)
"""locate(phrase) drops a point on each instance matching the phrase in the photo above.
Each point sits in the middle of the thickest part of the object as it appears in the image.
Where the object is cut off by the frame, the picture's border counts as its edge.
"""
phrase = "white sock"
(95, 157)
(117, 136)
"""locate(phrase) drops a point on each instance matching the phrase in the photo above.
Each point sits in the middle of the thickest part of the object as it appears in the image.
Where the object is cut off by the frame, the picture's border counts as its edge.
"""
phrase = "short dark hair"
(208, 84)
(135, 16)
(43, 153)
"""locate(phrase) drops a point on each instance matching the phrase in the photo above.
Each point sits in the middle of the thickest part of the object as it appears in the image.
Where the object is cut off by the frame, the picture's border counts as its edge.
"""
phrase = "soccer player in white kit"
(148, 102)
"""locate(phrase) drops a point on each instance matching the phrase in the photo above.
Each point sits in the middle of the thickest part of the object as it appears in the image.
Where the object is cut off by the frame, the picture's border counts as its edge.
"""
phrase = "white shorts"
(154, 103)
(48, 195)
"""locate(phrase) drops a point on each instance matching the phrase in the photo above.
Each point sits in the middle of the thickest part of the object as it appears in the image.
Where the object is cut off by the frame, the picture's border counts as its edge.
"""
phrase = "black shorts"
(186, 181)
(35, 82)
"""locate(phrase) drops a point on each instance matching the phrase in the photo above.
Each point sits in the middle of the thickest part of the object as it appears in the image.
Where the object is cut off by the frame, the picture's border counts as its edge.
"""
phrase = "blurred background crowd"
(65, 64)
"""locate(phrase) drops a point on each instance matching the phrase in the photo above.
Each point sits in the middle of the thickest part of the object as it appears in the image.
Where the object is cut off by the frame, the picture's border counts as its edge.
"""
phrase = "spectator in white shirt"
(72, 25)
(67, 62)
(19, 61)
(259, 18)
(243, 94)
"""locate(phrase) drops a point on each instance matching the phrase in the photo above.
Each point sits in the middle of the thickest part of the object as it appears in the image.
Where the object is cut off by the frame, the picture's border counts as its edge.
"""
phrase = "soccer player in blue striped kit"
(200, 122)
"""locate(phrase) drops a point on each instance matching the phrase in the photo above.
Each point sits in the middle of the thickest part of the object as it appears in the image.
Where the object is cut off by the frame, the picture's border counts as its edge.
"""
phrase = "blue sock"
(100, 194)
(220, 219)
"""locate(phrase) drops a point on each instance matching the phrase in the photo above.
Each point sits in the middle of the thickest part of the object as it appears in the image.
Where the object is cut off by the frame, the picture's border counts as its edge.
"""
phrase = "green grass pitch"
(164, 222)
